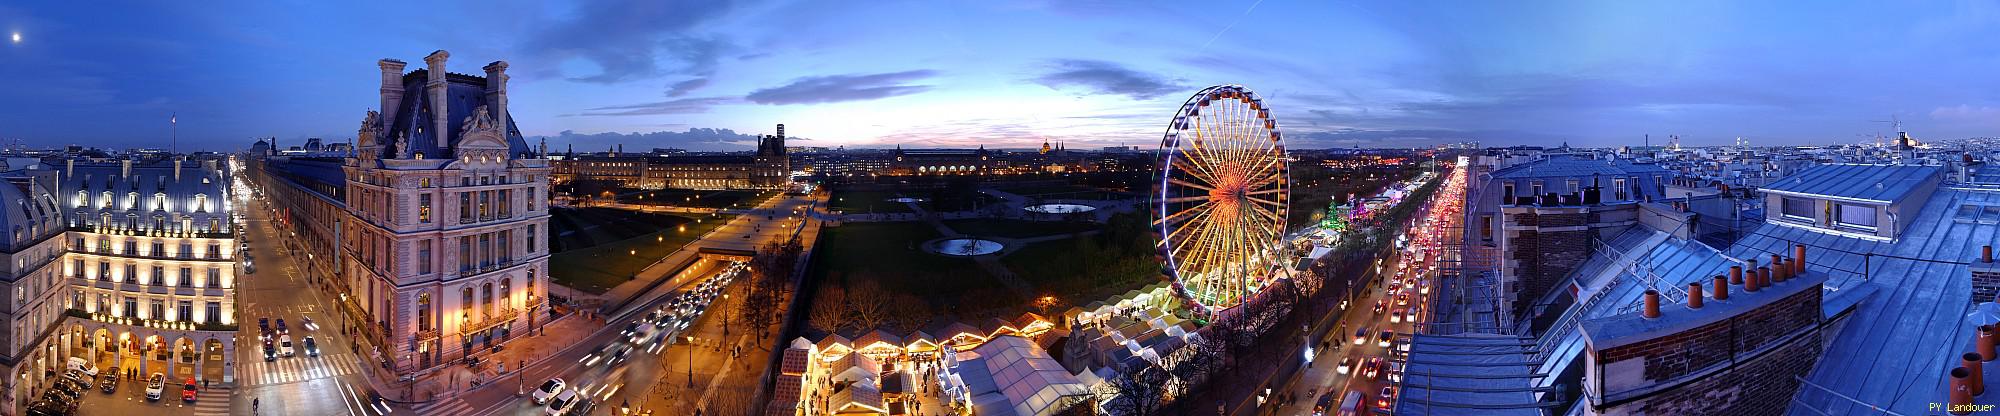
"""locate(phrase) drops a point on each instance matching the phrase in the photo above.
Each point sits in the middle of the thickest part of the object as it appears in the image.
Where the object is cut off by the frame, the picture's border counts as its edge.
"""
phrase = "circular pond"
(963, 247)
(1059, 208)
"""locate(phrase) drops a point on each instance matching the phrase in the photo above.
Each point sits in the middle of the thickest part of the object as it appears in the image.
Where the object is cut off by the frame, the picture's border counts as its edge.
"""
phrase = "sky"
(705, 75)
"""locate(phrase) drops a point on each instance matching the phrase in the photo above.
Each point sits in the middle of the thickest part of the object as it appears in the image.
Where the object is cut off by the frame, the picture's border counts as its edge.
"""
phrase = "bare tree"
(909, 312)
(868, 304)
(1137, 391)
(829, 310)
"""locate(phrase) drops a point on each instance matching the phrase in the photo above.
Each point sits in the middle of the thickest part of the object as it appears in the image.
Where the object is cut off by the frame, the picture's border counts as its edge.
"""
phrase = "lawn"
(606, 264)
(863, 202)
(1049, 191)
(585, 227)
(1013, 228)
(888, 254)
(1081, 270)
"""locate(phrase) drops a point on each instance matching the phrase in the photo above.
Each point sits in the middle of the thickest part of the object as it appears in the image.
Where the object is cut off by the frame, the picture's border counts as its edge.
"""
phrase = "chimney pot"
(1976, 380)
(1752, 283)
(1735, 275)
(1781, 270)
(1652, 304)
(1986, 342)
(1694, 295)
(1799, 253)
(1961, 393)
(1721, 287)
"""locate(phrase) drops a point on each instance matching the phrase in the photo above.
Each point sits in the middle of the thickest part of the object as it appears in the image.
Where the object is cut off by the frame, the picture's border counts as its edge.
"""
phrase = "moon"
(17, 37)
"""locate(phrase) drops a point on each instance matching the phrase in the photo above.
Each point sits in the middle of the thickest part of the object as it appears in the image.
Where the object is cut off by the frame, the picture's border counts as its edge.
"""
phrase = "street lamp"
(690, 362)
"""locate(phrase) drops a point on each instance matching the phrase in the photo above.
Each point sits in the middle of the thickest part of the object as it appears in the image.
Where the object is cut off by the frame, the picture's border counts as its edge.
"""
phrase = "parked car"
(82, 365)
(110, 382)
(156, 385)
(549, 389)
(188, 390)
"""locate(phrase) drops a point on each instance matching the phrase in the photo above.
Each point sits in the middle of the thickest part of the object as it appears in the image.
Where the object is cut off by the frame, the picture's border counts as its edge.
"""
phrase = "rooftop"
(1873, 183)
(1574, 166)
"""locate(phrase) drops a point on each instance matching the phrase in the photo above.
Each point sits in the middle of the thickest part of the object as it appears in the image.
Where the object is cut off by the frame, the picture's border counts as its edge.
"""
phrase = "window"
(531, 238)
(187, 276)
(1798, 208)
(423, 312)
(215, 251)
(424, 257)
(158, 273)
(531, 199)
(131, 271)
(187, 250)
(1486, 227)
(1575, 185)
(131, 248)
(1537, 187)
(159, 249)
(1856, 215)
(1622, 193)
(201, 203)
(186, 311)
(214, 313)
(131, 307)
(214, 277)
(464, 206)
(159, 310)
(424, 208)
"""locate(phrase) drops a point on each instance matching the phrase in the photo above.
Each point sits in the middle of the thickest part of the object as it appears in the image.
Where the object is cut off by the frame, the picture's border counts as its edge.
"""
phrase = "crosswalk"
(445, 407)
(214, 401)
(300, 368)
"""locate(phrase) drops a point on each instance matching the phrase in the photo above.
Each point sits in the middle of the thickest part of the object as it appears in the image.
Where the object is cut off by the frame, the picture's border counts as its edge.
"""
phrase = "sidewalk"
(453, 378)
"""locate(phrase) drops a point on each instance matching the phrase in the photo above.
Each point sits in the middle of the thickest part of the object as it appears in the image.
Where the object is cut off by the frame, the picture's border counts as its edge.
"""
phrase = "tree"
(868, 304)
(1137, 391)
(909, 312)
(829, 310)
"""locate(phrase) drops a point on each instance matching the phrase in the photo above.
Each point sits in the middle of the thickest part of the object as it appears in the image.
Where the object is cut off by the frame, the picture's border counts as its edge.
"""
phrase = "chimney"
(781, 132)
(1799, 257)
(1986, 254)
(69, 167)
(1781, 270)
(177, 170)
(125, 168)
(1652, 304)
(440, 113)
(1735, 275)
(496, 95)
(1694, 295)
(1764, 276)
(1750, 284)
(1978, 377)
(1777, 264)
(1986, 342)
(1721, 287)
(1961, 394)
(392, 88)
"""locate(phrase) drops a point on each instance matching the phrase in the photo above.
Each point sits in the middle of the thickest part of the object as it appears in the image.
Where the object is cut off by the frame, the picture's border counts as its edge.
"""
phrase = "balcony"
(501, 316)
(131, 231)
(484, 218)
(488, 268)
(426, 335)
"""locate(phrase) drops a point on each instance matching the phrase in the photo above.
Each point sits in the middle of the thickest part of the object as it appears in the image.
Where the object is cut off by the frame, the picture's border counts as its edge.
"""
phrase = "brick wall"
(1545, 257)
(1985, 283)
(1755, 385)
(1761, 387)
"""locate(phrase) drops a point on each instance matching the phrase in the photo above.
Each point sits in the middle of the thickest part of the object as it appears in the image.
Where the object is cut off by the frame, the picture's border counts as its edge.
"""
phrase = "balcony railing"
(473, 219)
(131, 231)
(486, 268)
(489, 320)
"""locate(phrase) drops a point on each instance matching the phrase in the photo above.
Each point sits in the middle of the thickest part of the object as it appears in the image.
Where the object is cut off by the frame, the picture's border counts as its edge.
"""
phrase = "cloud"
(1397, 138)
(675, 106)
(1100, 77)
(684, 87)
(1964, 112)
(627, 39)
(837, 88)
(700, 139)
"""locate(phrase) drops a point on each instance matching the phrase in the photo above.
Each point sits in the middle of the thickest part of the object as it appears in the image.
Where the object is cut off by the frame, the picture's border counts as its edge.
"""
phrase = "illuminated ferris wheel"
(1220, 211)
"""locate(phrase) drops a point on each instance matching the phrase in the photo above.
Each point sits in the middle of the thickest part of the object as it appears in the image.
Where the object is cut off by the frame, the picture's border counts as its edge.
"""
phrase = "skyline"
(960, 75)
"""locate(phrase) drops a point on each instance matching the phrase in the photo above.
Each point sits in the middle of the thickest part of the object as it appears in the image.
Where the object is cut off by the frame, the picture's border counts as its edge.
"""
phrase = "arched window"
(486, 297)
(466, 307)
(506, 294)
(423, 312)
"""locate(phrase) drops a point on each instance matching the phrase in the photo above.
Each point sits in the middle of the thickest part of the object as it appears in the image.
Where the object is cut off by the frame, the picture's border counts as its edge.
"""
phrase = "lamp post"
(690, 362)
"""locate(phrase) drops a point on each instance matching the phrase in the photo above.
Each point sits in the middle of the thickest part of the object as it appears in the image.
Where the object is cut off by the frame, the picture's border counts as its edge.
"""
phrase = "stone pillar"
(440, 115)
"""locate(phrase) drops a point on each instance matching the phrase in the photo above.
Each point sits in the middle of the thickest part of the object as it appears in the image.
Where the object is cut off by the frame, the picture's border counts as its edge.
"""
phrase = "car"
(1325, 402)
(582, 408)
(618, 354)
(156, 385)
(1373, 368)
(1402, 299)
(630, 329)
(561, 403)
(1394, 373)
(264, 326)
(188, 390)
(307, 323)
(82, 365)
(642, 333)
(596, 355)
(549, 389)
(1361, 336)
(1346, 365)
(1396, 316)
(1382, 339)
(1381, 305)
(1387, 398)
(282, 330)
(285, 346)
(312, 349)
(110, 382)
(270, 352)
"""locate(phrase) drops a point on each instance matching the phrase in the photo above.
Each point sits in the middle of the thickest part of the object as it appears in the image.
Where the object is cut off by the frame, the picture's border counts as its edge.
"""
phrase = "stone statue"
(402, 142)
(479, 120)
(370, 128)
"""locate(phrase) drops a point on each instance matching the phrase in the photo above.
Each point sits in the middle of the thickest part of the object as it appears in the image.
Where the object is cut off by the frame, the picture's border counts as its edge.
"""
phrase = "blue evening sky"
(1010, 74)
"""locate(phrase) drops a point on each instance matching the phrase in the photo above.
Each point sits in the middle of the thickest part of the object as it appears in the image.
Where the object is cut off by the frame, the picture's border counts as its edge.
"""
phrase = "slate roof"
(1879, 183)
(463, 93)
(1573, 166)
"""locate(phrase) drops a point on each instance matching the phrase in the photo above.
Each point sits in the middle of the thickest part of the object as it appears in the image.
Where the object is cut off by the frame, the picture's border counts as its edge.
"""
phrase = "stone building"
(434, 233)
(768, 168)
(1540, 217)
(121, 264)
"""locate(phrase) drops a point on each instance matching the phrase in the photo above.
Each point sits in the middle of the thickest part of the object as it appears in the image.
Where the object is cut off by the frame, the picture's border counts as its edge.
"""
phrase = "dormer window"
(1798, 209)
(160, 201)
(201, 203)
(1856, 216)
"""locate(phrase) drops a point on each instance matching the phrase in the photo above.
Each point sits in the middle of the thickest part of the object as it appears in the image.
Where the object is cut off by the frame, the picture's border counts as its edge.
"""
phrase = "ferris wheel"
(1223, 186)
